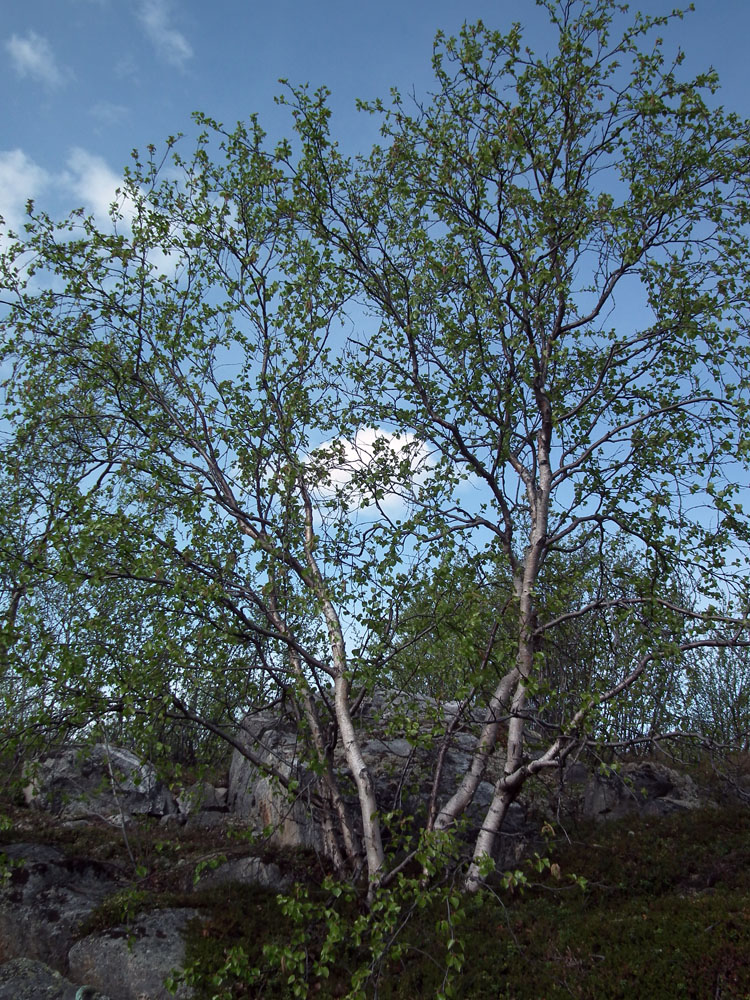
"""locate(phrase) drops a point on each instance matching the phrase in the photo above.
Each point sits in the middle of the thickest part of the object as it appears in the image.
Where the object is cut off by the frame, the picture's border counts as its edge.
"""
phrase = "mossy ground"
(665, 915)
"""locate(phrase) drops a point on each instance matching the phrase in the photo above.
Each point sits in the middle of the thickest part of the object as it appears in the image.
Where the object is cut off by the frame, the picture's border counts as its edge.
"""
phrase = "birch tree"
(543, 269)
(183, 351)
(555, 250)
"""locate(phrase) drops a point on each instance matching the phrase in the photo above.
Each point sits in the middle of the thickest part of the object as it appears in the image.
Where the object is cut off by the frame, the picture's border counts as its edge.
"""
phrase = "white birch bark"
(538, 492)
(368, 806)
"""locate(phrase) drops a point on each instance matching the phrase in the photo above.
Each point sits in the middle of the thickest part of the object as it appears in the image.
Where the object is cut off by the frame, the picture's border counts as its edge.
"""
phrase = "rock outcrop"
(45, 900)
(639, 788)
(402, 758)
(101, 781)
(245, 871)
(134, 961)
(27, 979)
(46, 896)
(400, 755)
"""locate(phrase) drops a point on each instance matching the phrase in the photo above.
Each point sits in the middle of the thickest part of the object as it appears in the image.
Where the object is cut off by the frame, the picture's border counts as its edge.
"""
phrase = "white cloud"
(94, 184)
(377, 467)
(91, 181)
(170, 43)
(32, 56)
(20, 180)
(87, 181)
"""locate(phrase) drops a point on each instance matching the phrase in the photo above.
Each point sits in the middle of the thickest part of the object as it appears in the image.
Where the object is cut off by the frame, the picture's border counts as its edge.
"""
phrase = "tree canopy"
(287, 406)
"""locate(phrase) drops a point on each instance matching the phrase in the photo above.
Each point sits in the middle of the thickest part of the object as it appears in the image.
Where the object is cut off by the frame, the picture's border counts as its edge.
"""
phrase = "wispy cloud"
(92, 183)
(32, 56)
(87, 180)
(107, 113)
(170, 43)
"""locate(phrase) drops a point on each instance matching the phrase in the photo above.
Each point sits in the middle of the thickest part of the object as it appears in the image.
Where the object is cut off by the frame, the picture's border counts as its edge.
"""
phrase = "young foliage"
(225, 500)
(555, 247)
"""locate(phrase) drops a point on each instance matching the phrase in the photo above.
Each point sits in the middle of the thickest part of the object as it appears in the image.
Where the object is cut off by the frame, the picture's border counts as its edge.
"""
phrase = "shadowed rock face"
(42, 908)
(99, 781)
(648, 788)
(245, 871)
(402, 758)
(47, 895)
(133, 962)
(45, 901)
(27, 979)
(399, 753)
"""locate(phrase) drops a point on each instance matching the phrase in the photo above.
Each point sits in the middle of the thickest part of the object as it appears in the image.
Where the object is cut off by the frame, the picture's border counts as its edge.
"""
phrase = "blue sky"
(86, 81)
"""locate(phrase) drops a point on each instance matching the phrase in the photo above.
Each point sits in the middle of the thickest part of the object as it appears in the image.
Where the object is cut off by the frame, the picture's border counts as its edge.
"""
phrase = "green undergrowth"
(665, 914)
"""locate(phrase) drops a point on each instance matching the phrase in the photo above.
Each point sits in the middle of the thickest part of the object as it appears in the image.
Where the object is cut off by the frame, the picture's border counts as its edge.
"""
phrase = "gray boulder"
(401, 759)
(245, 871)
(202, 806)
(202, 797)
(401, 756)
(27, 979)
(97, 781)
(259, 799)
(44, 901)
(647, 789)
(132, 962)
